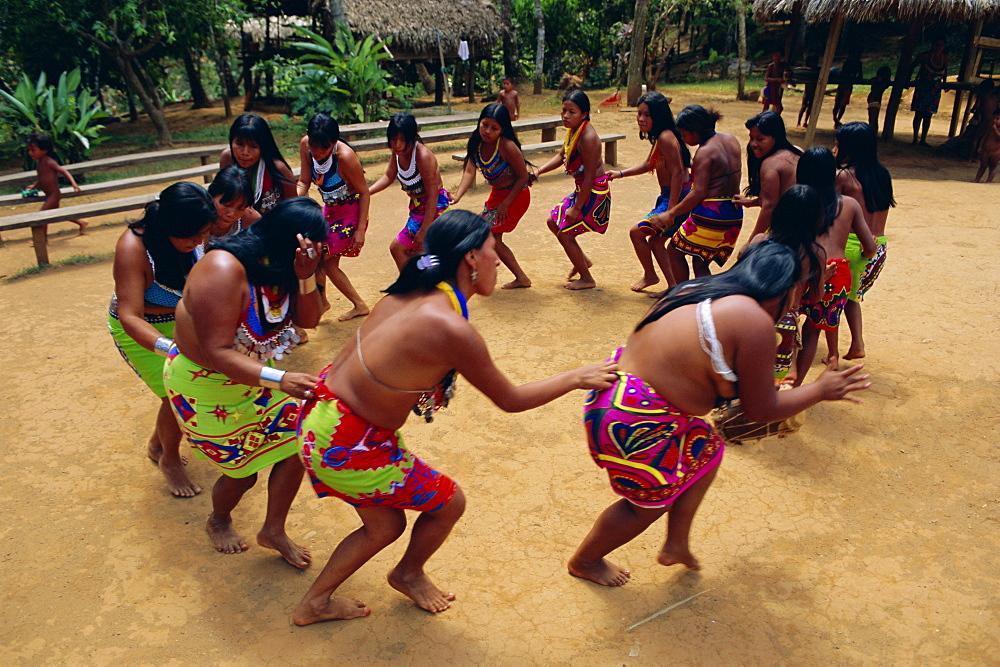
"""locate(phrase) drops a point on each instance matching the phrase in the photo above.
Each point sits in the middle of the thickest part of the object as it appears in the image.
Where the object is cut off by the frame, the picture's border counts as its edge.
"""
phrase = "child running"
(588, 208)
(494, 149)
(863, 178)
(252, 146)
(989, 149)
(841, 216)
(417, 336)
(416, 169)
(771, 162)
(509, 98)
(712, 337)
(48, 171)
(670, 159)
(336, 170)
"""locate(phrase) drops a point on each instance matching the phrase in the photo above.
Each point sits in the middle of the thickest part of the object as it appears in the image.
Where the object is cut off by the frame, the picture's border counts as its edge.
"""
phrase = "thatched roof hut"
(869, 11)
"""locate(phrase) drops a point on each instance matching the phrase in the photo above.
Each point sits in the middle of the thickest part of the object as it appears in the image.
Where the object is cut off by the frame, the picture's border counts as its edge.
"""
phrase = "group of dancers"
(212, 286)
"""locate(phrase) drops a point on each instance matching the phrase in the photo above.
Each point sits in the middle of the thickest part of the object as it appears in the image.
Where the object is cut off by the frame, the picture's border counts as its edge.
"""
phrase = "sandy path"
(869, 536)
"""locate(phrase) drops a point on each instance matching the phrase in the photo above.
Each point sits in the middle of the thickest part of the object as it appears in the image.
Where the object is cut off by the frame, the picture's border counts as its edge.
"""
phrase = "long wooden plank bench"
(610, 142)
(547, 125)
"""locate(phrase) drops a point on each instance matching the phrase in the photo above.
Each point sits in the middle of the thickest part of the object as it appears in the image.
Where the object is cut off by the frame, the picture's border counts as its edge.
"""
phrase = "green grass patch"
(94, 258)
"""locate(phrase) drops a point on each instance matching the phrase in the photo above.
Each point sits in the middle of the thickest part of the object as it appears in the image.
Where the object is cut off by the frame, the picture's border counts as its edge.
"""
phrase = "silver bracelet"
(270, 377)
(307, 285)
(162, 345)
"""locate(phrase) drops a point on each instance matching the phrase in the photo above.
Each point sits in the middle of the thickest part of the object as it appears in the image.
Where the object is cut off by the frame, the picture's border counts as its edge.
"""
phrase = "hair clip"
(425, 262)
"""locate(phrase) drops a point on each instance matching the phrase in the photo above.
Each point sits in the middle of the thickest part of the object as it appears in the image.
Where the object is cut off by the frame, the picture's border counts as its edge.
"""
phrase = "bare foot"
(335, 609)
(178, 482)
(573, 273)
(154, 451)
(290, 551)
(832, 361)
(516, 284)
(580, 283)
(656, 295)
(303, 335)
(421, 590)
(603, 572)
(357, 311)
(224, 537)
(643, 283)
(83, 225)
(855, 353)
(670, 556)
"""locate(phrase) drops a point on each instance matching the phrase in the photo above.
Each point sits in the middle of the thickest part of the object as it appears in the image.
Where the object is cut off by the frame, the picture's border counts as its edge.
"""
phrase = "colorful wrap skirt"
(825, 312)
(652, 450)
(710, 233)
(240, 429)
(788, 340)
(148, 365)
(864, 270)
(418, 211)
(661, 206)
(342, 222)
(362, 464)
(515, 211)
(594, 214)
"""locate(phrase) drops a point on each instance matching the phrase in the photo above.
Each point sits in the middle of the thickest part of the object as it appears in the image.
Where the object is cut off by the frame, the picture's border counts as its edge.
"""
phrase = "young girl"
(589, 207)
(863, 178)
(712, 337)
(494, 149)
(670, 159)
(252, 146)
(418, 336)
(416, 169)
(771, 161)
(841, 216)
(336, 170)
(152, 261)
(230, 193)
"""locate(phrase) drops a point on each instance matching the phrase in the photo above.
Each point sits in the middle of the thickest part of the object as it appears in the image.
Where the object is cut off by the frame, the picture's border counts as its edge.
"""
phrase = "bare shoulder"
(226, 158)
(740, 312)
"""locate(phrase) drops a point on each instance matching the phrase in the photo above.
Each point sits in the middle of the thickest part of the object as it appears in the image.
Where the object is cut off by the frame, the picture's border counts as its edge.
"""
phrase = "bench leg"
(38, 237)
(548, 134)
(204, 161)
(611, 153)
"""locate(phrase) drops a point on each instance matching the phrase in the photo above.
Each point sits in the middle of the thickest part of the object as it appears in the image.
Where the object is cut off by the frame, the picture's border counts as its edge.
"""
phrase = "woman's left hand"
(307, 258)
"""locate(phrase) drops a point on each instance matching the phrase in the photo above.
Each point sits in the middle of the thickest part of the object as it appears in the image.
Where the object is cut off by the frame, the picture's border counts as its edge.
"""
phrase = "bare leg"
(925, 127)
(658, 246)
(617, 525)
(400, 253)
(641, 244)
(678, 264)
(381, 527)
(916, 128)
(429, 532)
(82, 224)
(282, 485)
(982, 170)
(226, 495)
(700, 267)
(331, 266)
(810, 339)
(676, 548)
(581, 265)
(506, 256)
(168, 437)
(852, 313)
(832, 359)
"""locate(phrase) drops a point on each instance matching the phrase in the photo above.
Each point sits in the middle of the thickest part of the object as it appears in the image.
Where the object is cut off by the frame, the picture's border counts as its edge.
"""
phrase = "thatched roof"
(954, 11)
(414, 25)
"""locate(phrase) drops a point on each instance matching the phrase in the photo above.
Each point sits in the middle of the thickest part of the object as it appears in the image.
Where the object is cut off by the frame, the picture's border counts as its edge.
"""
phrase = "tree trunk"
(425, 77)
(902, 80)
(199, 98)
(741, 46)
(539, 48)
(637, 51)
(134, 75)
(510, 64)
(133, 110)
(337, 13)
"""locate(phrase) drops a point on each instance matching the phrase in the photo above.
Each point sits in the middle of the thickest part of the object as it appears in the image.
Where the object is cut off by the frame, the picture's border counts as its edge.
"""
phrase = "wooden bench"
(610, 142)
(547, 125)
(358, 130)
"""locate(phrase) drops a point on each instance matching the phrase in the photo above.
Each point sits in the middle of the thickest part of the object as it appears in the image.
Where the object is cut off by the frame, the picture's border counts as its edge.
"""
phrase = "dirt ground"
(871, 536)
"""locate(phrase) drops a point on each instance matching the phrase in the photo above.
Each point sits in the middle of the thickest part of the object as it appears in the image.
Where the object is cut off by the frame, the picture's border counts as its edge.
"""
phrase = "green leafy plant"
(346, 74)
(65, 112)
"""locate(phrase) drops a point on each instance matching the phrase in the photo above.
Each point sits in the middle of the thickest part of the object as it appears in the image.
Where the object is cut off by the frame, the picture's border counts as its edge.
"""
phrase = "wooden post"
(38, 238)
(611, 153)
(824, 76)
(444, 72)
(204, 161)
(965, 75)
(902, 81)
(793, 29)
(548, 134)
(470, 78)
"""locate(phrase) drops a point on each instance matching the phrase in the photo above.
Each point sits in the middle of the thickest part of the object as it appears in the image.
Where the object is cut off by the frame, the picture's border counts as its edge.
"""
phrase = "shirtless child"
(989, 150)
(509, 98)
(39, 146)
(841, 216)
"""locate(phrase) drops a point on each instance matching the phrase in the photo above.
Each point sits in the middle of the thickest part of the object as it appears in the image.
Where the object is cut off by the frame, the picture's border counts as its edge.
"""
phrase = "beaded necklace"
(572, 139)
